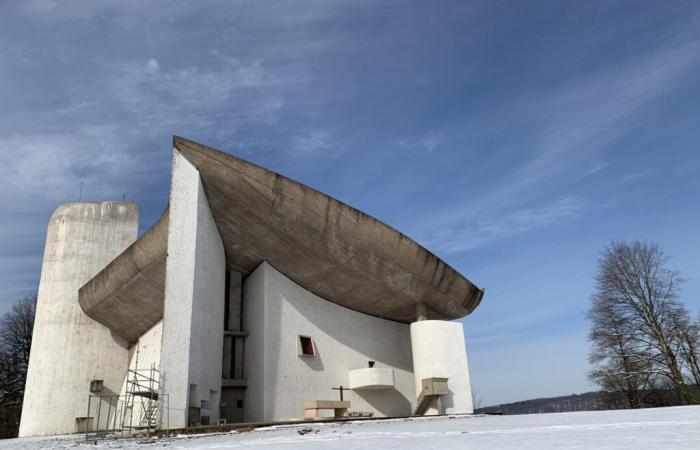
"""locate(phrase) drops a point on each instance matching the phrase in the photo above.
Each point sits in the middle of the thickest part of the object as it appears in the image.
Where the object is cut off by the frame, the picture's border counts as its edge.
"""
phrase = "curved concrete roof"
(324, 245)
(127, 295)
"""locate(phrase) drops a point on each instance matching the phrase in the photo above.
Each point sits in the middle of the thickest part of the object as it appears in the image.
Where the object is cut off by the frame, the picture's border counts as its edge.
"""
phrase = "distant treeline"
(588, 401)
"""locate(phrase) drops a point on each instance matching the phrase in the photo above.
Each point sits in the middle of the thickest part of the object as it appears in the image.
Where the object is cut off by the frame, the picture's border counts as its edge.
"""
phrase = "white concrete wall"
(439, 351)
(146, 353)
(193, 315)
(254, 361)
(143, 355)
(69, 349)
(148, 348)
(276, 310)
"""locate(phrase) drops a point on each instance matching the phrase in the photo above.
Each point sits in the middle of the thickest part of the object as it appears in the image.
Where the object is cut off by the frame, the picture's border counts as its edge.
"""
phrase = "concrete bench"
(311, 408)
(433, 390)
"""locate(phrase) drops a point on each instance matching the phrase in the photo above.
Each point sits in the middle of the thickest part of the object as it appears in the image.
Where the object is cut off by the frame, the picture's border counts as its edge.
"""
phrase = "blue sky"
(513, 139)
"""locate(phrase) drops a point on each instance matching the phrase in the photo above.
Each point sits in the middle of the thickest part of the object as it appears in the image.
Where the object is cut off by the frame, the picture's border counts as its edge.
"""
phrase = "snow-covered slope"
(662, 428)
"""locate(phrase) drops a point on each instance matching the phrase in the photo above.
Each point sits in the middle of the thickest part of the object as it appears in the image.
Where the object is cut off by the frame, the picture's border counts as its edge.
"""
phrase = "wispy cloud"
(465, 234)
(157, 93)
(426, 143)
(592, 171)
(50, 166)
(106, 121)
(572, 127)
(313, 142)
(585, 116)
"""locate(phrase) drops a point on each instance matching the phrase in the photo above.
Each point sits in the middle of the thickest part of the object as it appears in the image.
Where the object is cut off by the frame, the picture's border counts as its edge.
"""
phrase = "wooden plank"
(326, 404)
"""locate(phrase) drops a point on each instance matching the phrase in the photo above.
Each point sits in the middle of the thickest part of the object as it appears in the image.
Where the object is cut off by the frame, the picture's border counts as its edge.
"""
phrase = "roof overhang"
(324, 245)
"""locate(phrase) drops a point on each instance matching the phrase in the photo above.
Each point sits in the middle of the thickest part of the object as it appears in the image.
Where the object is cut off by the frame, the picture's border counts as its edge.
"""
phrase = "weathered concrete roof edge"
(326, 246)
(198, 154)
(127, 295)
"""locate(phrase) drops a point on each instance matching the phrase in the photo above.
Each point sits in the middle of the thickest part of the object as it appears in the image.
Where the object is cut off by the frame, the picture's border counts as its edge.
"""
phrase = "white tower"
(69, 349)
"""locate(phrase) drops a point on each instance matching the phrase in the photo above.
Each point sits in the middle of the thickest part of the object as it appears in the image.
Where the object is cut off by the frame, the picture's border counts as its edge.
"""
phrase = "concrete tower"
(69, 349)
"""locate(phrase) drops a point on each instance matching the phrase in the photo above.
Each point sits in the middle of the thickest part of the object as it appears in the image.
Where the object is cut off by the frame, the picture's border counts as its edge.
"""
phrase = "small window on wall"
(305, 346)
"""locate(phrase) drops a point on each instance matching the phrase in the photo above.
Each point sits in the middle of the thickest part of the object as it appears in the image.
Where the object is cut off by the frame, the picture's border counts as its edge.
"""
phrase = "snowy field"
(662, 428)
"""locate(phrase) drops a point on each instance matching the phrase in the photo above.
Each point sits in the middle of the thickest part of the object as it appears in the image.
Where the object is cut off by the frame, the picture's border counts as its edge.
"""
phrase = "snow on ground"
(661, 428)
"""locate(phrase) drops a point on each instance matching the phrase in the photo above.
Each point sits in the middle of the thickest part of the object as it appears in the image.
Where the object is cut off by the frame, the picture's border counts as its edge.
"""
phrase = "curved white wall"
(439, 351)
(276, 311)
(69, 349)
(143, 355)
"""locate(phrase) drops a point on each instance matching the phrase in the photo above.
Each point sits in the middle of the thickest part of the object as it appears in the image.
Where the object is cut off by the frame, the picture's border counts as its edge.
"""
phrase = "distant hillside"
(587, 401)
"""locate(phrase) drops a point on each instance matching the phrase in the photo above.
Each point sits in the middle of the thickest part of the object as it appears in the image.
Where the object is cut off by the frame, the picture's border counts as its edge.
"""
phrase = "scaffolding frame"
(140, 409)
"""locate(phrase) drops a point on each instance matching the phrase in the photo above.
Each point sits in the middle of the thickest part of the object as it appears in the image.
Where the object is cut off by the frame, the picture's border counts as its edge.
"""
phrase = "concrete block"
(372, 378)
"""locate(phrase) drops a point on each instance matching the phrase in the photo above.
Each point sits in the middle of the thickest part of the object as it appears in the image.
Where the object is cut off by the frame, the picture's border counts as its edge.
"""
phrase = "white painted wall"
(254, 361)
(69, 349)
(193, 314)
(146, 352)
(372, 378)
(143, 355)
(148, 348)
(276, 310)
(439, 351)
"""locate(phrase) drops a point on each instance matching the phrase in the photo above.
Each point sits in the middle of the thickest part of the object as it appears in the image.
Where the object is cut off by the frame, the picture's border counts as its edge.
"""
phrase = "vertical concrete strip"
(234, 301)
(195, 280)
(439, 351)
(69, 349)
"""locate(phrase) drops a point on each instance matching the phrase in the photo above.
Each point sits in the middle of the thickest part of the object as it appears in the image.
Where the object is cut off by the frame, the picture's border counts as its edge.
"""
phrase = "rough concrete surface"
(324, 245)
(69, 349)
(127, 295)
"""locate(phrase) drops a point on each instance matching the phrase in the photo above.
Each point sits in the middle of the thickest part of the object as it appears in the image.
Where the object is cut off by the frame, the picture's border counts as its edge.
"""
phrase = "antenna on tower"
(80, 196)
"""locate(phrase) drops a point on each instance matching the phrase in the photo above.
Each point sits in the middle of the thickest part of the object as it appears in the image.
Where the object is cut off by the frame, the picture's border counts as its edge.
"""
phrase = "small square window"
(239, 403)
(305, 346)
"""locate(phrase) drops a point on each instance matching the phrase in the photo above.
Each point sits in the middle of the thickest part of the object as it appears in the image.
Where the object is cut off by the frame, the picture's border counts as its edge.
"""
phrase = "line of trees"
(15, 343)
(645, 345)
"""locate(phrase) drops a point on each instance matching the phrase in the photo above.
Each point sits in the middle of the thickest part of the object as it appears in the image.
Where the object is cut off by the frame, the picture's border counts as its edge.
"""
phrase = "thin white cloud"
(573, 126)
(313, 142)
(152, 66)
(463, 234)
(582, 118)
(426, 143)
(50, 166)
(592, 171)
(40, 6)
(152, 91)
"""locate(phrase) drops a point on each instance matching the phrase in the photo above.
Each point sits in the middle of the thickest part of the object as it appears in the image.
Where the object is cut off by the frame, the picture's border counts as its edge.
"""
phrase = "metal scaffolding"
(139, 410)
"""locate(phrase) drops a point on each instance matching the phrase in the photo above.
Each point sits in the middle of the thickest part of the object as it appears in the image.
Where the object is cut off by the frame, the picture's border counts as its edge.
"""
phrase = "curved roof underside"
(127, 295)
(324, 245)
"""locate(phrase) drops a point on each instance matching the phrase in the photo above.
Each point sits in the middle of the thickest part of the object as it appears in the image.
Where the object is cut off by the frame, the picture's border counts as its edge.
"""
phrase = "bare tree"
(638, 294)
(476, 399)
(16, 328)
(689, 338)
(621, 369)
